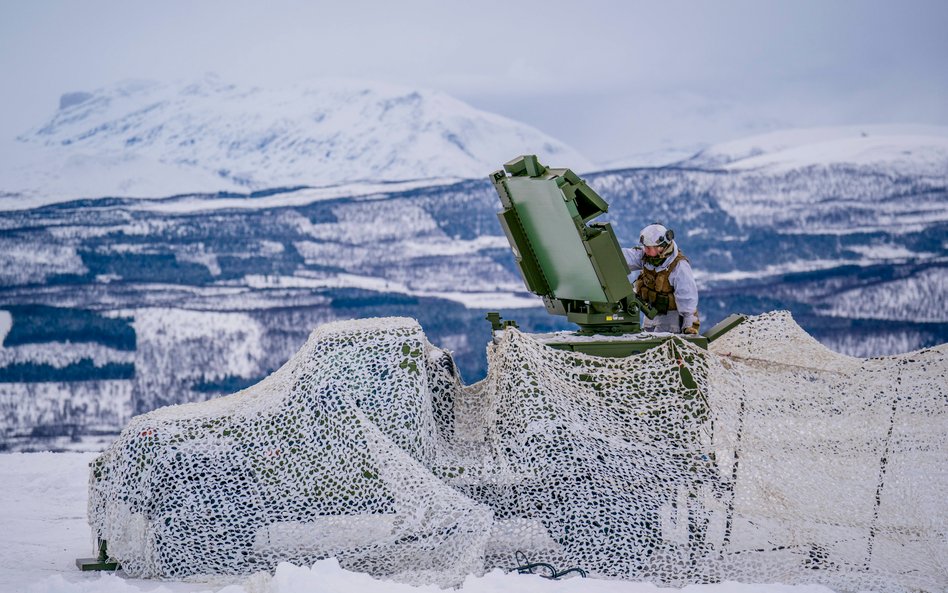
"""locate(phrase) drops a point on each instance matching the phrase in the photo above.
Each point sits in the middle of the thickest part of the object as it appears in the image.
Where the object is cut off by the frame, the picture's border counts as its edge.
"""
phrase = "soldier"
(666, 281)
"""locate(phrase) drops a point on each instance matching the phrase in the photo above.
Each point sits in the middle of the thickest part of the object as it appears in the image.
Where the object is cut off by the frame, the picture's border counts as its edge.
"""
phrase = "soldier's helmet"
(656, 235)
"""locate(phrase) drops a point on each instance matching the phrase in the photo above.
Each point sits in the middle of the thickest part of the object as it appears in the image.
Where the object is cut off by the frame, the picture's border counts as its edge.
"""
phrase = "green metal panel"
(555, 238)
(588, 202)
(523, 253)
(610, 265)
(525, 165)
(724, 326)
(101, 562)
(87, 564)
(623, 348)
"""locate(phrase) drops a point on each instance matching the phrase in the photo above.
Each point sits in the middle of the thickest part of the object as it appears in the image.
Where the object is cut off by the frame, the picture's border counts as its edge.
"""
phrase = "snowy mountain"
(833, 180)
(151, 139)
(114, 306)
(896, 149)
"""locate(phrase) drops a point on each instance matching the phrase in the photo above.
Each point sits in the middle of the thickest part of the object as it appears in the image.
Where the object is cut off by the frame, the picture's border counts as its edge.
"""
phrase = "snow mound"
(149, 139)
(767, 459)
(903, 149)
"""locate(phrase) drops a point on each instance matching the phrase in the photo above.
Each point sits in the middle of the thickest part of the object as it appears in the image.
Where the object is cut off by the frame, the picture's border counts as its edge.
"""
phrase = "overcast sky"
(610, 78)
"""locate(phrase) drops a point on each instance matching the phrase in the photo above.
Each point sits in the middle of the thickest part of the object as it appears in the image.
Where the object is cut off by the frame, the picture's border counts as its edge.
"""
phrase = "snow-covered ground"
(43, 522)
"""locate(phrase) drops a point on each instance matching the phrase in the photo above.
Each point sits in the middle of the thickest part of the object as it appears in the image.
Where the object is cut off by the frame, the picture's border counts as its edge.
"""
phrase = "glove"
(690, 324)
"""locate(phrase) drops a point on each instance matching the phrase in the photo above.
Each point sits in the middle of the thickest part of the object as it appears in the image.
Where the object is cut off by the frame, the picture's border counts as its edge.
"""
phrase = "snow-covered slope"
(153, 139)
(653, 158)
(838, 180)
(899, 149)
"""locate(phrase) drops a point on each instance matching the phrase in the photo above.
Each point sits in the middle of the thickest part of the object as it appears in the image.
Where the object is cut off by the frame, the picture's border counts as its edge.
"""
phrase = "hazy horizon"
(611, 79)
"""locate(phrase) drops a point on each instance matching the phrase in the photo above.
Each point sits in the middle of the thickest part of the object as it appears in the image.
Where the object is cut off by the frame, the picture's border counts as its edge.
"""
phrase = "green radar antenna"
(575, 265)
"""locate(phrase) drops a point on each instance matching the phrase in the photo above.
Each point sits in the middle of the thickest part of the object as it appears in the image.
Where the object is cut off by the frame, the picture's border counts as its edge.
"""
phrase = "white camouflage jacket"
(682, 279)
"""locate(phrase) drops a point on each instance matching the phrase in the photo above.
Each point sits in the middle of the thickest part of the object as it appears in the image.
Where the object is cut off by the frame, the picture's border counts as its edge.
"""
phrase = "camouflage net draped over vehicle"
(768, 459)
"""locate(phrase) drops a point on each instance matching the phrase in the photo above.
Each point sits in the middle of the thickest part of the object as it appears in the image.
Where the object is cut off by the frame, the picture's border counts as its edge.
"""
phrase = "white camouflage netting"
(783, 462)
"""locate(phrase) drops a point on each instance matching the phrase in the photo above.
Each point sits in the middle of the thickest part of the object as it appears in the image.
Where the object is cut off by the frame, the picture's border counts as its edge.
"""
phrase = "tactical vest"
(654, 288)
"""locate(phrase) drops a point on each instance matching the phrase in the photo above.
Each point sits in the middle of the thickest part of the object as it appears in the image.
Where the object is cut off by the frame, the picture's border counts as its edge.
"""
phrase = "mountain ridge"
(155, 139)
(894, 148)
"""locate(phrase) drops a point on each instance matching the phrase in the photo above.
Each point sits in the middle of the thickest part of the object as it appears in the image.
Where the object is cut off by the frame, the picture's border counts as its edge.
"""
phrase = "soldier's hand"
(689, 330)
